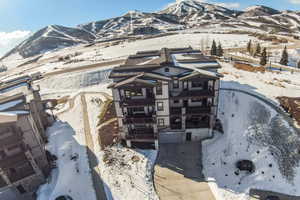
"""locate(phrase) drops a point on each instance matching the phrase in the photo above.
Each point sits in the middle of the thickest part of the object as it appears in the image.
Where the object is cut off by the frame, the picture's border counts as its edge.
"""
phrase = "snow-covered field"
(252, 131)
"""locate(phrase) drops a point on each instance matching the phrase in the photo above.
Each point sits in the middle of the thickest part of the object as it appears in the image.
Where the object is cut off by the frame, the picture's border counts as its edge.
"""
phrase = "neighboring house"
(23, 160)
(170, 95)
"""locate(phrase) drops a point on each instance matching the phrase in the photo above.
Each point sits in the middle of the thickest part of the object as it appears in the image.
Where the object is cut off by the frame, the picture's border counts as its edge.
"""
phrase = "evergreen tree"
(258, 50)
(263, 59)
(249, 46)
(220, 51)
(285, 57)
(298, 64)
(213, 50)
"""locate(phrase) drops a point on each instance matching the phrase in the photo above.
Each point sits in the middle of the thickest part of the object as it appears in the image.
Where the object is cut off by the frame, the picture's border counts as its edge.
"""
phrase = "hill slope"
(182, 14)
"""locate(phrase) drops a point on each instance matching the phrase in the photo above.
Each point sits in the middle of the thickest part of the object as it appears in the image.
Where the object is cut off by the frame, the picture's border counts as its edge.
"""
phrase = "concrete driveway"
(178, 173)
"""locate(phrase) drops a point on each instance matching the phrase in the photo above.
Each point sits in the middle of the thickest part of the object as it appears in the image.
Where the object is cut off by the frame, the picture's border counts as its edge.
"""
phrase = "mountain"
(254, 11)
(182, 14)
(52, 37)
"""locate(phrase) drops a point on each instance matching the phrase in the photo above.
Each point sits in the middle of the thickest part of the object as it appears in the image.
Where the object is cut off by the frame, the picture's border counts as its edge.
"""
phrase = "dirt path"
(177, 173)
(93, 161)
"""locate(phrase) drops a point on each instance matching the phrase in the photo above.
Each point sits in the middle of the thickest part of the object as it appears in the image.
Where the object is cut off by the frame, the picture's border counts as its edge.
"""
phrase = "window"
(176, 101)
(167, 70)
(160, 106)
(2, 155)
(161, 122)
(175, 84)
(197, 84)
(159, 89)
(129, 94)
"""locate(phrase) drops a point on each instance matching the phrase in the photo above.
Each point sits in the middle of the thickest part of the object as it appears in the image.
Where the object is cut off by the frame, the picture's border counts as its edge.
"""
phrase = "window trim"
(161, 122)
(160, 106)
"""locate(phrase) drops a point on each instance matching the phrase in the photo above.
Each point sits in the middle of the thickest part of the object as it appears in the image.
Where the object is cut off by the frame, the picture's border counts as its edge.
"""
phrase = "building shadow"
(70, 153)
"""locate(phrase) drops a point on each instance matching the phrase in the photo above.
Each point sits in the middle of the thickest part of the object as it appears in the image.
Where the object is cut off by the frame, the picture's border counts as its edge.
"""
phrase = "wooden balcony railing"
(13, 160)
(148, 100)
(23, 172)
(175, 111)
(198, 110)
(12, 139)
(146, 133)
(190, 125)
(186, 94)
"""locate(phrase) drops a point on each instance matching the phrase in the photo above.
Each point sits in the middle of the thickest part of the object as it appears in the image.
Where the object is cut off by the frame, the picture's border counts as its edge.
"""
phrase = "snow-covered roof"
(10, 104)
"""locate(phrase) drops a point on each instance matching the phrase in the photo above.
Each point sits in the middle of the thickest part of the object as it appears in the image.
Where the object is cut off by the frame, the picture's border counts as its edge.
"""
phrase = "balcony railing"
(190, 125)
(13, 160)
(148, 100)
(12, 139)
(186, 94)
(198, 110)
(176, 126)
(141, 134)
(175, 111)
(21, 173)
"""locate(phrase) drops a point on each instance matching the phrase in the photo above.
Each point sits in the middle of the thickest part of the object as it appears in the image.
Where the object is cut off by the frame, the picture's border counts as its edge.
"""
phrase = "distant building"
(23, 120)
(170, 95)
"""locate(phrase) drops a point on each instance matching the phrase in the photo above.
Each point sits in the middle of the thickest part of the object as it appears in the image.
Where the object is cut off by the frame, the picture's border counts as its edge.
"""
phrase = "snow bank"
(252, 131)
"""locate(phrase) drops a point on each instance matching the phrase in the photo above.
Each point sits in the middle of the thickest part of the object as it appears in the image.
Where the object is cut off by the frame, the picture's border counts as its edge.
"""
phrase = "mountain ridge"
(182, 14)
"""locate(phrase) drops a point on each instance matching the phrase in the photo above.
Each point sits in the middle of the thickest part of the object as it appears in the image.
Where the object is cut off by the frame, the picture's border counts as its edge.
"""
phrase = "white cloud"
(9, 40)
(295, 1)
(229, 5)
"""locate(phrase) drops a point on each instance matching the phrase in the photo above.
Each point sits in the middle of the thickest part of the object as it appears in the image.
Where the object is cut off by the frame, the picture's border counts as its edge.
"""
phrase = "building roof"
(8, 117)
(150, 62)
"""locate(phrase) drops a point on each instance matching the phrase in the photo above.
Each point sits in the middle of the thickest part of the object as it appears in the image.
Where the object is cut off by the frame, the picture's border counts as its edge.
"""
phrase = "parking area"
(178, 173)
(262, 195)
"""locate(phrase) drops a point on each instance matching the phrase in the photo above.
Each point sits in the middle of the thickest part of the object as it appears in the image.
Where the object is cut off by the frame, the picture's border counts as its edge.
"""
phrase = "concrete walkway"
(177, 174)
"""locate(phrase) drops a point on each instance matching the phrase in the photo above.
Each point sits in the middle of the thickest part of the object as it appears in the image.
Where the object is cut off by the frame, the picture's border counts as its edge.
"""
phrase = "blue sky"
(19, 18)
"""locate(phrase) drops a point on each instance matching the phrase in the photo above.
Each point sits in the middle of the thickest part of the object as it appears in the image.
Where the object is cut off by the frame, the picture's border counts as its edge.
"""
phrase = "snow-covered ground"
(72, 176)
(252, 131)
(268, 84)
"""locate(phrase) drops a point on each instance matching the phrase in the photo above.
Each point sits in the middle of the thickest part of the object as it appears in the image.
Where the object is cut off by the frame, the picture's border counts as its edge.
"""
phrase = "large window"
(129, 93)
(197, 84)
(160, 106)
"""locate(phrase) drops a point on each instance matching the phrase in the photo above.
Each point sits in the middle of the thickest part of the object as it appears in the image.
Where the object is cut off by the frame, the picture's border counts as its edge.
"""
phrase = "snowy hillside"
(180, 15)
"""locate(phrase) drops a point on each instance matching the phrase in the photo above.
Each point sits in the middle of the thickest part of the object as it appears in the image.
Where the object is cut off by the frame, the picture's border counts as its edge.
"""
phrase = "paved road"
(85, 67)
(177, 173)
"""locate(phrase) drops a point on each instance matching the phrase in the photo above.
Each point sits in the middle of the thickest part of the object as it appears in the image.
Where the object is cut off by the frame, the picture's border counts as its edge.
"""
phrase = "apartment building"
(170, 95)
(23, 159)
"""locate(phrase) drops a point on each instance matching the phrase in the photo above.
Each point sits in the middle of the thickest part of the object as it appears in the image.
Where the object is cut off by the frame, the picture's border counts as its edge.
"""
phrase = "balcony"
(196, 124)
(198, 110)
(175, 111)
(12, 139)
(14, 160)
(22, 172)
(148, 100)
(187, 94)
(141, 134)
(139, 119)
